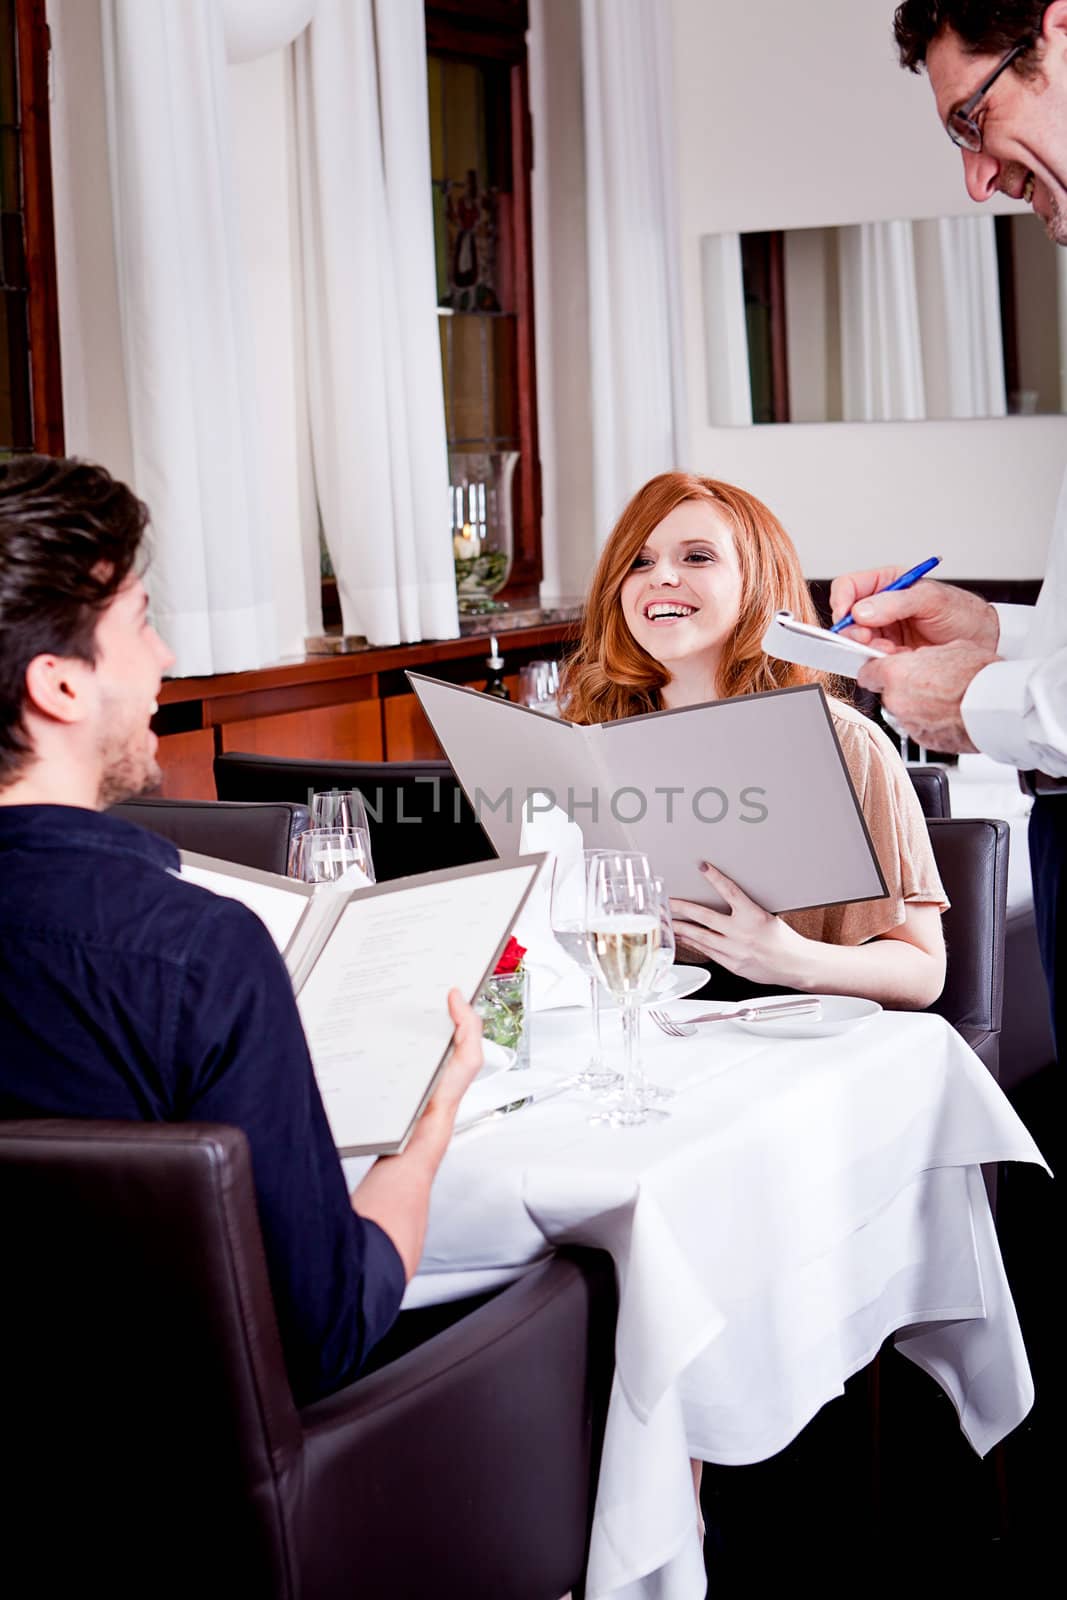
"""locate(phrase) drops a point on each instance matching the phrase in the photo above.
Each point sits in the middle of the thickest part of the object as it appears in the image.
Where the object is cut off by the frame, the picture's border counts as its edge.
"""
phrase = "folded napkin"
(555, 979)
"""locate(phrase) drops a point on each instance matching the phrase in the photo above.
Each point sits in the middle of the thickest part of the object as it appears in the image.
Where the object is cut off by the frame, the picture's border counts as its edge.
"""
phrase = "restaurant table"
(804, 1199)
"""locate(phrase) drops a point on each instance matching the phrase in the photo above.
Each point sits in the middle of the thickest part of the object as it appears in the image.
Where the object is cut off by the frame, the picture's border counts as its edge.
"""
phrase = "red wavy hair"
(611, 676)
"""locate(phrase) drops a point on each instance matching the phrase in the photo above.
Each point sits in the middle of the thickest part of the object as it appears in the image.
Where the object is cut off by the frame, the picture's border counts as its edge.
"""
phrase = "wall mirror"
(885, 321)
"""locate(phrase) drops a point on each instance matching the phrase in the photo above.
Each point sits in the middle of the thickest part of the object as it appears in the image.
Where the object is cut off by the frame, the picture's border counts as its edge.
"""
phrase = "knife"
(513, 1105)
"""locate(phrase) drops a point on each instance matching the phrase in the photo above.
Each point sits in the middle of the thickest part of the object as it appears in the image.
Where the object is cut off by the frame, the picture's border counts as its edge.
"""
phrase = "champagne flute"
(569, 919)
(324, 855)
(631, 866)
(625, 920)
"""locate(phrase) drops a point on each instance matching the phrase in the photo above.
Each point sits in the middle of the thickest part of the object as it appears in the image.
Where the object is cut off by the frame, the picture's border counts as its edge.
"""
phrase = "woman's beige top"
(898, 831)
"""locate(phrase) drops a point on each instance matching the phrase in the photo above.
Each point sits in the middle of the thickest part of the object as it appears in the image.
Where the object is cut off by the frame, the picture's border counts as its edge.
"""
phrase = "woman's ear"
(56, 687)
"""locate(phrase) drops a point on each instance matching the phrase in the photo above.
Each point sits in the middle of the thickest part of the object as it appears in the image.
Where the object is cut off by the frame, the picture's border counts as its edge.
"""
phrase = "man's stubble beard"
(126, 771)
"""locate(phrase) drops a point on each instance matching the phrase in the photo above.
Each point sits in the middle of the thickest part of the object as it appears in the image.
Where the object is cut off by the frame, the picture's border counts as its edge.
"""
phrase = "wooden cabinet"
(356, 707)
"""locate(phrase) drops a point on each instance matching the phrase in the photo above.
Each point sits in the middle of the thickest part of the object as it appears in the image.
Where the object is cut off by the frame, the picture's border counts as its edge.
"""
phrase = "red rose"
(511, 959)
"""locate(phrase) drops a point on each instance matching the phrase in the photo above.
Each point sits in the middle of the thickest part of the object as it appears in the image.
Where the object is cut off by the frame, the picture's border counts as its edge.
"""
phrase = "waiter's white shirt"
(1016, 709)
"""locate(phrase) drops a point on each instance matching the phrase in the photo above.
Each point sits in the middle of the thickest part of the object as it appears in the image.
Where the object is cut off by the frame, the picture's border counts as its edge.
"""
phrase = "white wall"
(798, 116)
(94, 392)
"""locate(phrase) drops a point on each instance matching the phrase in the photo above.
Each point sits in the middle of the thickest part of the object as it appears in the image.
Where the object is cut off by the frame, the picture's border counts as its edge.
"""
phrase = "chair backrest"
(250, 835)
(972, 858)
(931, 786)
(145, 1388)
(419, 817)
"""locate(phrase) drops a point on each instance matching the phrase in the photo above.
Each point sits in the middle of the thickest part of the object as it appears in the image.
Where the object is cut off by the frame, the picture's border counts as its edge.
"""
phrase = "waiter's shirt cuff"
(1001, 718)
(1015, 624)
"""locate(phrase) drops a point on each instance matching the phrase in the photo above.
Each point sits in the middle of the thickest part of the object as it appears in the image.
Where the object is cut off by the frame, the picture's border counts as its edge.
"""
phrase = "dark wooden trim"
(495, 30)
(363, 664)
(33, 51)
(779, 332)
(1009, 316)
(527, 568)
(485, 29)
(443, 39)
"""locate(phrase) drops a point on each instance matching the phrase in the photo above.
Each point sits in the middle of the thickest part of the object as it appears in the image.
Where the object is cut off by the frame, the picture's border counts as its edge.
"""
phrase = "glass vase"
(503, 1006)
(481, 516)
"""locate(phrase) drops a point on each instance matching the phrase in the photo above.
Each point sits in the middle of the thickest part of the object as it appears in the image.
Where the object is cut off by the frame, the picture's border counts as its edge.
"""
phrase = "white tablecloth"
(805, 1199)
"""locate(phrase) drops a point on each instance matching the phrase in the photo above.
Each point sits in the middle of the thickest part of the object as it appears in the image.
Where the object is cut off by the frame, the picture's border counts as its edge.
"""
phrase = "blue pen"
(905, 581)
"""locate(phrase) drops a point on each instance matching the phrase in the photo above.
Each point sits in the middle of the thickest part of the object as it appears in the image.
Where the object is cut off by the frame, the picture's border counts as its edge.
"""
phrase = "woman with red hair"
(685, 589)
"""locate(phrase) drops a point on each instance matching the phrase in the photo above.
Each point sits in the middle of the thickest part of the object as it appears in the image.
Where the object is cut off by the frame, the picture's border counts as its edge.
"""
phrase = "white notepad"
(371, 969)
(756, 785)
(808, 646)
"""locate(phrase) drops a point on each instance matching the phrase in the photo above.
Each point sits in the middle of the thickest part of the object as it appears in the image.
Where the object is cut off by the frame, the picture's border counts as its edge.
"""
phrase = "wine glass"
(631, 866)
(668, 945)
(625, 919)
(324, 855)
(539, 687)
(339, 808)
(343, 809)
(568, 917)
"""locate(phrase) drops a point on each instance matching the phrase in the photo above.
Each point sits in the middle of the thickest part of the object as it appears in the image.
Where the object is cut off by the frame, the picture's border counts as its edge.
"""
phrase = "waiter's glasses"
(962, 128)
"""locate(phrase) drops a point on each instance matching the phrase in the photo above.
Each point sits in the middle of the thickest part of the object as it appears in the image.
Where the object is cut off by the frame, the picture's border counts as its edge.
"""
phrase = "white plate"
(497, 1059)
(674, 984)
(840, 1012)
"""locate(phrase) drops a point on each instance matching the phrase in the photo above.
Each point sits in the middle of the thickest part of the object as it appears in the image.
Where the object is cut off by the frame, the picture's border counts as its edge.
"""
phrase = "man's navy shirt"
(126, 992)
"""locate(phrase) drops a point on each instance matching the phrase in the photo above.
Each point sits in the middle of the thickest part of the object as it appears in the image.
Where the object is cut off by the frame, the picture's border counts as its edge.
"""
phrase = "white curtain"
(639, 425)
(374, 368)
(959, 310)
(967, 248)
(881, 353)
(729, 379)
(186, 345)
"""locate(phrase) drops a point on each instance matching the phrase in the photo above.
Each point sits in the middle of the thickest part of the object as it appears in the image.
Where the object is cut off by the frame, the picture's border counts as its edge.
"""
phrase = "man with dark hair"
(962, 674)
(126, 992)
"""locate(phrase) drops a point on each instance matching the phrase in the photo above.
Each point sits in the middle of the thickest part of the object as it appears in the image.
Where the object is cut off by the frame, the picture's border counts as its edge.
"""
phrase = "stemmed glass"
(339, 808)
(324, 855)
(334, 812)
(625, 919)
(568, 916)
(632, 865)
(539, 686)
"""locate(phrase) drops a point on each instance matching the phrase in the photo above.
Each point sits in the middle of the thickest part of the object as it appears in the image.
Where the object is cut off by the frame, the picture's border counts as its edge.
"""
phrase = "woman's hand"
(745, 939)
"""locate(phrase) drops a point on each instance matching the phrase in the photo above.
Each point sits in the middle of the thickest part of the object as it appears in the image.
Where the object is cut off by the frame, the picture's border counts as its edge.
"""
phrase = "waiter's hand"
(927, 613)
(745, 939)
(922, 689)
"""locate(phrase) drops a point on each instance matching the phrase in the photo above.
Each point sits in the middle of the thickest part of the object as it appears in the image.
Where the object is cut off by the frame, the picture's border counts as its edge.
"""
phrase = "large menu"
(371, 969)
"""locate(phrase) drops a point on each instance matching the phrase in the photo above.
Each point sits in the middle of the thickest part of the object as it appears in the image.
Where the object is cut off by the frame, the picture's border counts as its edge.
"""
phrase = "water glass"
(324, 855)
(539, 686)
(339, 808)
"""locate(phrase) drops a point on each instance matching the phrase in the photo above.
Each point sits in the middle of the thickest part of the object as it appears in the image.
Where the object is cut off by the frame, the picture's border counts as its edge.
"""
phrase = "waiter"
(962, 674)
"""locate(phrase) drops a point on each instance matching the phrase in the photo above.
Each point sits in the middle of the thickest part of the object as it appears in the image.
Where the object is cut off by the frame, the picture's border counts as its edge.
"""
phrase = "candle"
(465, 544)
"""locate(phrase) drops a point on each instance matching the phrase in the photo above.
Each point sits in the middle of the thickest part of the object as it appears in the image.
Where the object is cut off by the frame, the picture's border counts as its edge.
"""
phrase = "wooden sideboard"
(355, 706)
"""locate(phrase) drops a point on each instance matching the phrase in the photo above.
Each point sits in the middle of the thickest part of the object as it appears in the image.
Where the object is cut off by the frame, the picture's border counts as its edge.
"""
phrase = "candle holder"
(482, 543)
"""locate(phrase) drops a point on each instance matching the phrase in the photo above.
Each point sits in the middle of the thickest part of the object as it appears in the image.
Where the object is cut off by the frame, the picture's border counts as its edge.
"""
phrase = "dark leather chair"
(972, 858)
(419, 817)
(151, 1442)
(250, 835)
(931, 786)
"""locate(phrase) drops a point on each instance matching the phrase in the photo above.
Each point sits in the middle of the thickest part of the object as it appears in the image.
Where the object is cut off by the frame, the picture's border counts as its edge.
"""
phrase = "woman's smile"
(682, 595)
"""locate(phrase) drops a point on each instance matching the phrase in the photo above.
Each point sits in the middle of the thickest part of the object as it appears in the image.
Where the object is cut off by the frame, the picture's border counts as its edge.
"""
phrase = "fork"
(753, 1013)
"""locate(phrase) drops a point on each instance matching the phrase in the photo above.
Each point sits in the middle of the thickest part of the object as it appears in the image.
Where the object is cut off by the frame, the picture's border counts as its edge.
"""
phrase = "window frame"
(496, 30)
(32, 62)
